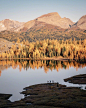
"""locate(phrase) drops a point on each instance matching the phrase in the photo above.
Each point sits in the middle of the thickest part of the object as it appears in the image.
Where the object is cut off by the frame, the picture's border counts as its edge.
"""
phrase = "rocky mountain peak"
(8, 24)
(82, 22)
(55, 19)
(53, 14)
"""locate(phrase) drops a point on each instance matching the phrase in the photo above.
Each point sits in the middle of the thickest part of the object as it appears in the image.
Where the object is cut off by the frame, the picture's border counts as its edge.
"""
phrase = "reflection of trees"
(48, 64)
(0, 72)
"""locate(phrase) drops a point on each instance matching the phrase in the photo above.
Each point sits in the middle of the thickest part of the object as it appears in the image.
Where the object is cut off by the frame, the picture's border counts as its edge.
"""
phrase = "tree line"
(70, 49)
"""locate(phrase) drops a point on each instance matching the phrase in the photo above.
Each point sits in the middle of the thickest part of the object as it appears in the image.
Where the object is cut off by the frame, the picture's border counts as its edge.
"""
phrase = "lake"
(18, 74)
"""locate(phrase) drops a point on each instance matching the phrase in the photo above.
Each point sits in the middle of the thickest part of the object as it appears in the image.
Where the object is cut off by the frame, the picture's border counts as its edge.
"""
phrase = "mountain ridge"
(53, 19)
(8, 24)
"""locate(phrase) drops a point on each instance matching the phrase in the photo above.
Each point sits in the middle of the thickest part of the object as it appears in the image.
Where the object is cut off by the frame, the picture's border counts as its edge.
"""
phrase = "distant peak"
(50, 14)
(84, 16)
(6, 20)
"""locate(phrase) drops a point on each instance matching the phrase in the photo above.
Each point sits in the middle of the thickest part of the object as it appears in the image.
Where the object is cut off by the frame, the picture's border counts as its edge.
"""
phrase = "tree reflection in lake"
(46, 64)
(17, 74)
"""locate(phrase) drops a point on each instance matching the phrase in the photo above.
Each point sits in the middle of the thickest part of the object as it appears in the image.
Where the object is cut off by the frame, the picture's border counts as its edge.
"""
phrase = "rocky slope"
(81, 23)
(9, 24)
(52, 19)
(6, 45)
(55, 19)
(26, 26)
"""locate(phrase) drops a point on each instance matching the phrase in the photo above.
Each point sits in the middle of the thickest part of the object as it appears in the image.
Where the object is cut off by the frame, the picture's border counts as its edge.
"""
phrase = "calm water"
(17, 75)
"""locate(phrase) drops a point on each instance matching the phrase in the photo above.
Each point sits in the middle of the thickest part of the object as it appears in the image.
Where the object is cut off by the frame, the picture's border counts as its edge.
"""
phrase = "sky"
(26, 10)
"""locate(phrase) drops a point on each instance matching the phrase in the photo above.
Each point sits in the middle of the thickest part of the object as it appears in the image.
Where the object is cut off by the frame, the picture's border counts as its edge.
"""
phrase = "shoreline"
(47, 95)
(47, 58)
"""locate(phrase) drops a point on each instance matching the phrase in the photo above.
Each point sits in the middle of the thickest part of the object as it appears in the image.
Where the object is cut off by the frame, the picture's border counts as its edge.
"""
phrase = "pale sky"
(26, 10)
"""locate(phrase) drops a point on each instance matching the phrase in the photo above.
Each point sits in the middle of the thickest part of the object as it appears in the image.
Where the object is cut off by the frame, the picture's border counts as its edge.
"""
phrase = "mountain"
(26, 25)
(41, 31)
(9, 24)
(81, 23)
(50, 18)
(37, 25)
(48, 26)
(55, 19)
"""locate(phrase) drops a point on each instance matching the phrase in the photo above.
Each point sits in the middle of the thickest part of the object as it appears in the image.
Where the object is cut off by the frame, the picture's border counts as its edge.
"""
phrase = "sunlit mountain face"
(47, 26)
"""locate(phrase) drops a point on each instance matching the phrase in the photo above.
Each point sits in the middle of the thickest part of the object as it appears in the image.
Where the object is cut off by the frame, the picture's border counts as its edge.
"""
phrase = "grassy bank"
(48, 95)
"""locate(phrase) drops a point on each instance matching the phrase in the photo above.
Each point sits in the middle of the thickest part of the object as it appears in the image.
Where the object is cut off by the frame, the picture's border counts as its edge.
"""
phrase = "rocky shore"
(47, 95)
(78, 79)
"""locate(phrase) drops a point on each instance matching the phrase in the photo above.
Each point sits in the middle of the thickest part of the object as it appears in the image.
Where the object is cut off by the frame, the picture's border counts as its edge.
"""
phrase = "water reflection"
(48, 64)
(17, 74)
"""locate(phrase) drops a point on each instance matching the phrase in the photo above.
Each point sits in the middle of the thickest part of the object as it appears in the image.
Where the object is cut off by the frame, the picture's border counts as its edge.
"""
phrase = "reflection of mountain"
(49, 64)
